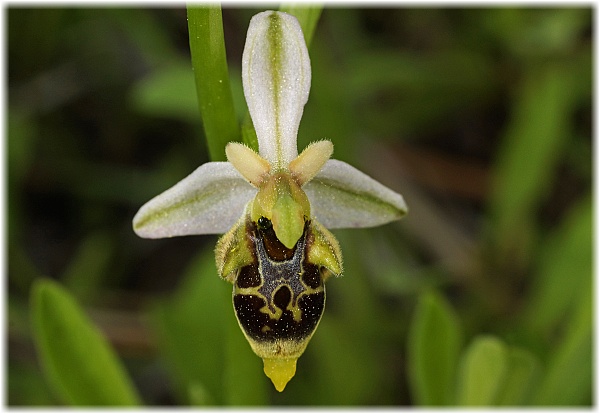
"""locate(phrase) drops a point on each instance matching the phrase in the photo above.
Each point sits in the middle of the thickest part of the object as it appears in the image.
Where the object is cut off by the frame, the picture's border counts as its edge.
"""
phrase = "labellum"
(280, 297)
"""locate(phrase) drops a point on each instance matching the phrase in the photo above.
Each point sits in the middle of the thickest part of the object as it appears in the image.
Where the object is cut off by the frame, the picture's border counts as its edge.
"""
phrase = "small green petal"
(281, 200)
(251, 165)
(232, 251)
(325, 250)
(310, 161)
(288, 220)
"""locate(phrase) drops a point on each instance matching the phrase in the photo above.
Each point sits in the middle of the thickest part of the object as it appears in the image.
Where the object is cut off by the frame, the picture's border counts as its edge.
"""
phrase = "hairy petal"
(251, 165)
(310, 161)
(342, 196)
(208, 201)
(276, 77)
(325, 250)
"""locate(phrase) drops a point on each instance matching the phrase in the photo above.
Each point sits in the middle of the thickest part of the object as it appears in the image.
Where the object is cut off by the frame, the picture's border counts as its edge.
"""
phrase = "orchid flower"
(274, 206)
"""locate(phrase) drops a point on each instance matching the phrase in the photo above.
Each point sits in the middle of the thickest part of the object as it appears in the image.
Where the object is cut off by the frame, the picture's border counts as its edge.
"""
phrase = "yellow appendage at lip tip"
(280, 371)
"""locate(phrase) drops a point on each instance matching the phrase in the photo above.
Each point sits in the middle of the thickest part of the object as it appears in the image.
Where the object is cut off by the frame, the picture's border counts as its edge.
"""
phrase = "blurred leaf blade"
(205, 348)
(426, 91)
(143, 29)
(207, 46)
(190, 331)
(568, 251)
(351, 375)
(26, 387)
(168, 92)
(531, 148)
(522, 374)
(568, 378)
(245, 383)
(433, 347)
(482, 372)
(87, 271)
(348, 382)
(76, 358)
(248, 132)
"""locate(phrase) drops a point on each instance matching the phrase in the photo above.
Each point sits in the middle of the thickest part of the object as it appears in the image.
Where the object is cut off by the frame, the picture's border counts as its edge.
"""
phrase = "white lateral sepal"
(342, 196)
(208, 201)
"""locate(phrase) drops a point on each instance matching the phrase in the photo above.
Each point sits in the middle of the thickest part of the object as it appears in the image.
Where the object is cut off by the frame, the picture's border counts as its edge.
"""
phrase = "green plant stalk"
(568, 380)
(307, 16)
(207, 47)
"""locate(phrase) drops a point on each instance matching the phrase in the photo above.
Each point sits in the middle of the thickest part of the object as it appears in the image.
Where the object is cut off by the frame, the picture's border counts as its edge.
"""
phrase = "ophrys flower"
(274, 206)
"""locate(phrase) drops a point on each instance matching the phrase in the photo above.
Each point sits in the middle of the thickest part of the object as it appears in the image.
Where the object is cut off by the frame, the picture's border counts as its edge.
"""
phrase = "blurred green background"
(480, 117)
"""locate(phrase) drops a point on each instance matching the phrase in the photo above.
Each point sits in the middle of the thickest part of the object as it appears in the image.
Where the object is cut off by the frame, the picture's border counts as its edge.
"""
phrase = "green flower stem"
(307, 16)
(207, 47)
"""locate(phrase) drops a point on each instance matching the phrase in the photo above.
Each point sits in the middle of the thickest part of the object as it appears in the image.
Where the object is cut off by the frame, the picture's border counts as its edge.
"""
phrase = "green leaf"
(26, 387)
(206, 351)
(168, 92)
(90, 265)
(531, 148)
(568, 379)
(76, 359)
(198, 395)
(249, 133)
(423, 92)
(347, 361)
(191, 331)
(350, 375)
(529, 34)
(482, 371)
(23, 133)
(523, 371)
(140, 28)
(434, 342)
(207, 47)
(568, 251)
(245, 383)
